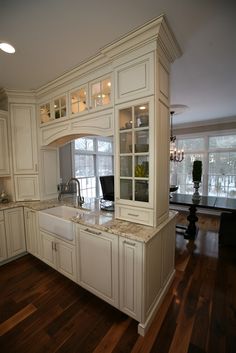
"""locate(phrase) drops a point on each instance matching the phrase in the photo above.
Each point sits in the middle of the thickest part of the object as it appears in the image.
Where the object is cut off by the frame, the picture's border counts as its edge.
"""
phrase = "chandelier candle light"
(175, 155)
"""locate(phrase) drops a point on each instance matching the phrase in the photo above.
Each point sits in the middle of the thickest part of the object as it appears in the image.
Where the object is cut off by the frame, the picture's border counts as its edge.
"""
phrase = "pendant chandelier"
(175, 155)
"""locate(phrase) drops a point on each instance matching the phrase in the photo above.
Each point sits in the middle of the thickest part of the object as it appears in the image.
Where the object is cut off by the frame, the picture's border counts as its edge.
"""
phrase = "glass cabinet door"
(134, 152)
(78, 100)
(100, 93)
(45, 113)
(60, 107)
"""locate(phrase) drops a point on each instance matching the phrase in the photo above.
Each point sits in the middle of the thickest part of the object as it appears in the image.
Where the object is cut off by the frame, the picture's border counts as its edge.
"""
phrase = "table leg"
(192, 230)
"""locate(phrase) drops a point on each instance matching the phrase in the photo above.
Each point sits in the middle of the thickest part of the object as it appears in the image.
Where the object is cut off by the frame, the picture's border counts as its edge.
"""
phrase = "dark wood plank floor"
(42, 311)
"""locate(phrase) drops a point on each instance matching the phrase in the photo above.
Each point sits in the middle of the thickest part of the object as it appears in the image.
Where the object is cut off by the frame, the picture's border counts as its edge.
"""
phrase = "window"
(92, 158)
(218, 154)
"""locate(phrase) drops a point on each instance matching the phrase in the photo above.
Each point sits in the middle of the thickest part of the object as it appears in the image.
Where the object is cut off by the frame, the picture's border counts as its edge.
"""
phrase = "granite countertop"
(98, 219)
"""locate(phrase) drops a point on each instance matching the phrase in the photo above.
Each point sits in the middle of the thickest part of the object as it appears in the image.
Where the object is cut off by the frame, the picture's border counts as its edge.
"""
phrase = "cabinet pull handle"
(129, 243)
(133, 215)
(92, 231)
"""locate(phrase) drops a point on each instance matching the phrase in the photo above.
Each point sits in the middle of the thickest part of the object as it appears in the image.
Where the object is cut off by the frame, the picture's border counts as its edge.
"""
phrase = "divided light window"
(218, 154)
(92, 157)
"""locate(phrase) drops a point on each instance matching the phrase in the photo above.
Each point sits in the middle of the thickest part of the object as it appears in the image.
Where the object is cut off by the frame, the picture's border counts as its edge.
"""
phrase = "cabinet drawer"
(1, 216)
(134, 214)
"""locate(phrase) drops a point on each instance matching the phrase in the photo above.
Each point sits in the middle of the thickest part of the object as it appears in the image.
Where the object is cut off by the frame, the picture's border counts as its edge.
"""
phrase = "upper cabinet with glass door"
(95, 95)
(78, 100)
(56, 109)
(100, 93)
(134, 152)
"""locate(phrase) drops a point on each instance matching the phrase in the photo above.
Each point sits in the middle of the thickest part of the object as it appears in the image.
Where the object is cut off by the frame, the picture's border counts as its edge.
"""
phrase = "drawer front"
(134, 214)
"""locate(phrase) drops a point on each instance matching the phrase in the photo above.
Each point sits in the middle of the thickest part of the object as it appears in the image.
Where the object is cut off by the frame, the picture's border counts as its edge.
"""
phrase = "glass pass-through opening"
(87, 159)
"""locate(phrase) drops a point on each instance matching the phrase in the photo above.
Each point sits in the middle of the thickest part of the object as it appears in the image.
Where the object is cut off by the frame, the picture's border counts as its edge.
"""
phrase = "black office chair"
(107, 200)
(227, 231)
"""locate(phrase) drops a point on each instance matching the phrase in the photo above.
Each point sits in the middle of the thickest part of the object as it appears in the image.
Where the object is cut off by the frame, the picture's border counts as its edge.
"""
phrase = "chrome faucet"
(79, 198)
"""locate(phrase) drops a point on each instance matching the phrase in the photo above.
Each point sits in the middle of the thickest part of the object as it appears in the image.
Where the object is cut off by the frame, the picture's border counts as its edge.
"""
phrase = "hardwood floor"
(42, 311)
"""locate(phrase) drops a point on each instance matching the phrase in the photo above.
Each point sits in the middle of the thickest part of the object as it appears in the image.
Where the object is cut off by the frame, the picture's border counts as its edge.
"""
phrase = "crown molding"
(156, 30)
(15, 96)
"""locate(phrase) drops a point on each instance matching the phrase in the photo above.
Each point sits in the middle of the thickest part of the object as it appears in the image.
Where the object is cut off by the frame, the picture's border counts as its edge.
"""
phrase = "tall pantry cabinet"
(25, 151)
(4, 147)
(35, 172)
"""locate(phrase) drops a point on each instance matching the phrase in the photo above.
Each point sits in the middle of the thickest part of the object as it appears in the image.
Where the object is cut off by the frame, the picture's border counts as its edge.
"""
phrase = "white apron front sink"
(57, 220)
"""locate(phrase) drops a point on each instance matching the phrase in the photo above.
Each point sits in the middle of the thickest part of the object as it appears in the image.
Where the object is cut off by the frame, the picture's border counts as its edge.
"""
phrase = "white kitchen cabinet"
(54, 109)
(142, 153)
(92, 96)
(98, 263)
(100, 91)
(32, 232)
(24, 150)
(59, 254)
(15, 231)
(3, 243)
(79, 100)
(24, 138)
(26, 187)
(4, 147)
(130, 277)
(134, 170)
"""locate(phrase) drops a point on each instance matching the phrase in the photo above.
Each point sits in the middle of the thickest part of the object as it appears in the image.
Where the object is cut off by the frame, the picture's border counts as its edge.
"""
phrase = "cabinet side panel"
(163, 160)
(153, 270)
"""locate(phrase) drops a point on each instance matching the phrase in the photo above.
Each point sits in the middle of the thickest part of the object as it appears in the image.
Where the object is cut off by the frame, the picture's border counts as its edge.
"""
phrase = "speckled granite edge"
(98, 219)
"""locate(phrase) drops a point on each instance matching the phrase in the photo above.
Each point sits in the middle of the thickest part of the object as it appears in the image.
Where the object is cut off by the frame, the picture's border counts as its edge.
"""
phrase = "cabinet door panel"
(24, 139)
(47, 249)
(66, 261)
(130, 260)
(26, 187)
(15, 231)
(135, 79)
(99, 264)
(31, 232)
(4, 152)
(3, 245)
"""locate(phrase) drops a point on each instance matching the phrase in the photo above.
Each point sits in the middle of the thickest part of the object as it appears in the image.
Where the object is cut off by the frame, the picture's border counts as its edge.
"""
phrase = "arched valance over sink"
(95, 124)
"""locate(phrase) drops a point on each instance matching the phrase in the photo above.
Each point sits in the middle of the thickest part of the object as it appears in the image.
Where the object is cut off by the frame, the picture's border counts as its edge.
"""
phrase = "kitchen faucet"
(79, 198)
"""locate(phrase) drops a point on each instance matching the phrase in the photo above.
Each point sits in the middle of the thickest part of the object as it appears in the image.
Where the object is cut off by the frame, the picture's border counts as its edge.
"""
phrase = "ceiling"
(53, 36)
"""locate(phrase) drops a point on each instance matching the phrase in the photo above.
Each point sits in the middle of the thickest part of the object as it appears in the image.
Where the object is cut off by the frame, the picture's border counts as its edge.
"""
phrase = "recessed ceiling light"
(8, 48)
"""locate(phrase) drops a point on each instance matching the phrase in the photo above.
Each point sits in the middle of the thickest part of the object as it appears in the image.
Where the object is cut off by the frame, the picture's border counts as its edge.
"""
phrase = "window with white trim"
(217, 151)
(92, 157)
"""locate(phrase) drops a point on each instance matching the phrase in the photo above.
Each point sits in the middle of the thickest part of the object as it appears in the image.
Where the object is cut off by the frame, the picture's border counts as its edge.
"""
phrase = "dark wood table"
(211, 202)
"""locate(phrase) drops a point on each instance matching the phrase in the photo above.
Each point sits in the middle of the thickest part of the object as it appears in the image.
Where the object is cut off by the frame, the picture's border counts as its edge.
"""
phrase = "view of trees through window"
(218, 154)
(93, 157)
